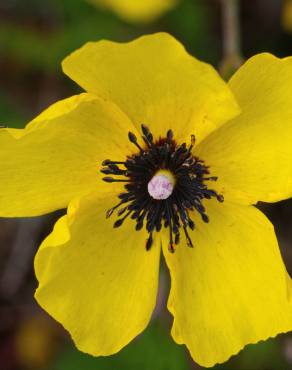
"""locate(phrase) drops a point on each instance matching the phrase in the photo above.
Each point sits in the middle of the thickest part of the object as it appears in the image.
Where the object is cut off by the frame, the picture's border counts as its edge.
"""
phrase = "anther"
(191, 224)
(106, 171)
(121, 211)
(205, 218)
(147, 134)
(211, 178)
(189, 240)
(105, 162)
(169, 135)
(193, 140)
(139, 225)
(220, 198)
(110, 211)
(119, 222)
(133, 139)
(149, 242)
(171, 248)
(145, 130)
(110, 179)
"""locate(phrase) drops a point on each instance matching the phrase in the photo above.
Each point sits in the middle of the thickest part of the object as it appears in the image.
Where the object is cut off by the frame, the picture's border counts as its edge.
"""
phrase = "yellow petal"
(142, 11)
(231, 289)
(252, 154)
(58, 156)
(156, 82)
(100, 283)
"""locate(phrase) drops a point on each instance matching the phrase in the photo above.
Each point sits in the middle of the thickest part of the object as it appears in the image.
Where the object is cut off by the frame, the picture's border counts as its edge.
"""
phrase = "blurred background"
(35, 35)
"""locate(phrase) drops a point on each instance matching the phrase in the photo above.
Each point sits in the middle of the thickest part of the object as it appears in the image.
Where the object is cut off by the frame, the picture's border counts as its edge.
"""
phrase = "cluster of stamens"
(164, 184)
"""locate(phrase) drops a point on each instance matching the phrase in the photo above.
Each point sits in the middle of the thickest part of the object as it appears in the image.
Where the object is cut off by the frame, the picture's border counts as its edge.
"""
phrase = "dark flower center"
(164, 183)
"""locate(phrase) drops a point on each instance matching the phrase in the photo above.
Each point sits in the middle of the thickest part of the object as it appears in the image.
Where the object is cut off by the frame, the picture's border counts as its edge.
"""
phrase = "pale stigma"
(161, 185)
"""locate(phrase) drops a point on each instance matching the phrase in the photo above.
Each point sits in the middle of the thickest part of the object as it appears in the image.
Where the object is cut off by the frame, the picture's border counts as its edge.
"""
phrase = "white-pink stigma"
(161, 186)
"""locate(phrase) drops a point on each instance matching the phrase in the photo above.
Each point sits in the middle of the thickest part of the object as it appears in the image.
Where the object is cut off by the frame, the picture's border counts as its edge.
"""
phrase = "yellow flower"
(141, 11)
(231, 287)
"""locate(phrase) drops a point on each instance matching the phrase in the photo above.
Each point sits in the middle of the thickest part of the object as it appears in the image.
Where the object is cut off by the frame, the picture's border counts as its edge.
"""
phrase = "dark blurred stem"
(231, 37)
(232, 58)
(20, 260)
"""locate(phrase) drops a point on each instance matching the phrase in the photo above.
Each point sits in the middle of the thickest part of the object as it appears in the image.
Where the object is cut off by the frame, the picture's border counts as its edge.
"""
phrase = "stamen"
(133, 139)
(169, 136)
(119, 222)
(193, 140)
(147, 135)
(164, 183)
(106, 162)
(110, 179)
(149, 242)
(189, 240)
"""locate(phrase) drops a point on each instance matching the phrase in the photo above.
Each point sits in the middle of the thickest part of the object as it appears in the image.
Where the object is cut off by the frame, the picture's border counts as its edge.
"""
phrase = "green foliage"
(78, 23)
(154, 349)
(53, 30)
(263, 355)
(190, 22)
(10, 114)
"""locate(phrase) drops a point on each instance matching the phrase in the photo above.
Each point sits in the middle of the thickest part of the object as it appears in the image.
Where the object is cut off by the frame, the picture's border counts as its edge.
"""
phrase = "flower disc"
(164, 182)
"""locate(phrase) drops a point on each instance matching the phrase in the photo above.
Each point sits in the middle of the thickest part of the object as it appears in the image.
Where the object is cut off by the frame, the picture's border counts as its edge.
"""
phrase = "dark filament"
(137, 170)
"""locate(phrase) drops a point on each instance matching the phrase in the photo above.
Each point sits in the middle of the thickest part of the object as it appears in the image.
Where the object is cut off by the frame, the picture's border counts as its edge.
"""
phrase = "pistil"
(161, 185)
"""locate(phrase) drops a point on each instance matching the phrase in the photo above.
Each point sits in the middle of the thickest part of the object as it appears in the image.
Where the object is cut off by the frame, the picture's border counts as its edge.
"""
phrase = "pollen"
(165, 183)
